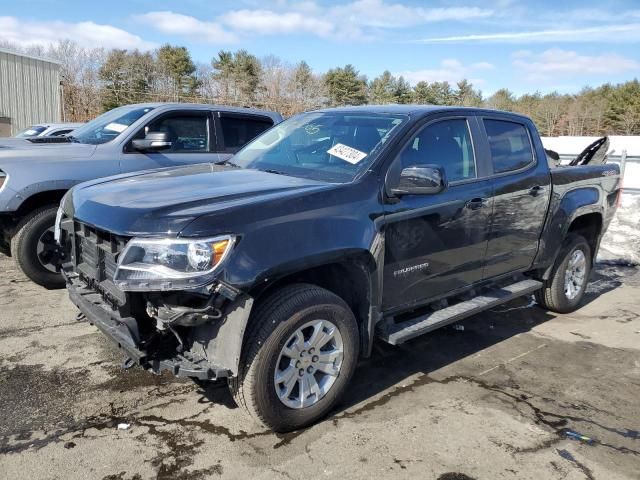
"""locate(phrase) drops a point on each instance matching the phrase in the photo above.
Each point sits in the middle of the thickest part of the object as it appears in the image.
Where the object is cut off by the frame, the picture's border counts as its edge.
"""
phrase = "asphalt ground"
(506, 397)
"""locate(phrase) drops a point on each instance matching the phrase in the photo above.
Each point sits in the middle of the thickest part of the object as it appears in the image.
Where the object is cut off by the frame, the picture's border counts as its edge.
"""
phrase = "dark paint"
(440, 243)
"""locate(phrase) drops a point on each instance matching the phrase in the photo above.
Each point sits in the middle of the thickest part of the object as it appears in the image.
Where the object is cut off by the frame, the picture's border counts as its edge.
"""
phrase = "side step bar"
(397, 333)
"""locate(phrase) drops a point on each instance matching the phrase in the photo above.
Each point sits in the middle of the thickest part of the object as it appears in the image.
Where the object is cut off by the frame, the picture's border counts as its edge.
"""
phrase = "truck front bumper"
(123, 331)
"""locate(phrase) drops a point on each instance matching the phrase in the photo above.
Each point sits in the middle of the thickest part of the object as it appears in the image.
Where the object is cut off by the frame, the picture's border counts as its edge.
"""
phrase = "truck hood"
(21, 150)
(163, 202)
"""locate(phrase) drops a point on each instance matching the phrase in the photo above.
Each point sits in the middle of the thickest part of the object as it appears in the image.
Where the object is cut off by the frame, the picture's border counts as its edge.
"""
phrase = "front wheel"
(35, 250)
(298, 358)
(564, 290)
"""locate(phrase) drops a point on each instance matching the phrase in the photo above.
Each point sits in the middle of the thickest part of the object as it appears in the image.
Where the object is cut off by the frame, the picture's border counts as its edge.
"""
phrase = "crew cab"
(35, 176)
(277, 269)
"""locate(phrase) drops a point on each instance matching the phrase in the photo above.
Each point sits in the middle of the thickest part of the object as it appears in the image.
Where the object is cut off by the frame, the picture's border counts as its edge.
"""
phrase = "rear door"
(192, 137)
(435, 244)
(521, 194)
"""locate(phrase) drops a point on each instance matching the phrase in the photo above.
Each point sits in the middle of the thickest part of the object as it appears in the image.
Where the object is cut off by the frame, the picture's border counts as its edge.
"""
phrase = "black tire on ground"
(277, 318)
(24, 247)
(552, 296)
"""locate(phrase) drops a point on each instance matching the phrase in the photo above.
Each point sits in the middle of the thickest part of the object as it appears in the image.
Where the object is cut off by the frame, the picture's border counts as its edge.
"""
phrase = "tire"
(24, 247)
(276, 319)
(553, 296)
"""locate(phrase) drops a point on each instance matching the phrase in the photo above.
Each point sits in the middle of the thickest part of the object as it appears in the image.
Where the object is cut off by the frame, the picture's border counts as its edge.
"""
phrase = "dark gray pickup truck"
(35, 176)
(276, 270)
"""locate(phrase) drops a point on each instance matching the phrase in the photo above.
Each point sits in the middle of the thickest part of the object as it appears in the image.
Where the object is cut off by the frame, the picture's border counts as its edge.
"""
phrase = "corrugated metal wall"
(29, 90)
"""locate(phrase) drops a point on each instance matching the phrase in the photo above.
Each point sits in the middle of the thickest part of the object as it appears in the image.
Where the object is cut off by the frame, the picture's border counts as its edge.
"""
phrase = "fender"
(573, 204)
(224, 340)
(21, 196)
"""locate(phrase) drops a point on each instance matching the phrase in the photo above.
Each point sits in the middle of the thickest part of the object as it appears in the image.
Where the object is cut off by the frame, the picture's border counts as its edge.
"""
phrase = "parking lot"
(497, 399)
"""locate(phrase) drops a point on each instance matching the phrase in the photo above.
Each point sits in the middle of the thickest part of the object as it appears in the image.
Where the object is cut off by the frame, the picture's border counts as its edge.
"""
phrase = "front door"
(191, 137)
(435, 244)
(521, 195)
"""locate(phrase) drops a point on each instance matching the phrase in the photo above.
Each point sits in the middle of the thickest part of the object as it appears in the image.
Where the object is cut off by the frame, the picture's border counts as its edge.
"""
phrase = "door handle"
(536, 190)
(476, 203)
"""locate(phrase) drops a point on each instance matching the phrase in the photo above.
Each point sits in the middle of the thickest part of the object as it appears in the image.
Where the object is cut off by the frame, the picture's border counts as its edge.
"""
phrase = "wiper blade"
(269, 170)
(227, 162)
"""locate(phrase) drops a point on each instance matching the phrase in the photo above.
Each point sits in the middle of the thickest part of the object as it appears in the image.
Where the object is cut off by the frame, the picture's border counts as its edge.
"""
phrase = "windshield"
(109, 125)
(32, 131)
(326, 146)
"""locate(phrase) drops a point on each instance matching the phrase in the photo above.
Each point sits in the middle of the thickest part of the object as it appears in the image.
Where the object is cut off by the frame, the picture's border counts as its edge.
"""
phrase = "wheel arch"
(350, 276)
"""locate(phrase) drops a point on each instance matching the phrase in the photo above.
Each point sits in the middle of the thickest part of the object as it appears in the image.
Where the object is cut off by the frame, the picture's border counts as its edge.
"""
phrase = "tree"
(436, 93)
(345, 86)
(623, 113)
(382, 89)
(127, 78)
(176, 71)
(502, 99)
(238, 75)
(465, 94)
(549, 113)
(402, 91)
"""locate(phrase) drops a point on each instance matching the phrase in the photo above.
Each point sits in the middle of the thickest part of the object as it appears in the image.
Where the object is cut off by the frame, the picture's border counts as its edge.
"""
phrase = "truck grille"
(94, 257)
(96, 252)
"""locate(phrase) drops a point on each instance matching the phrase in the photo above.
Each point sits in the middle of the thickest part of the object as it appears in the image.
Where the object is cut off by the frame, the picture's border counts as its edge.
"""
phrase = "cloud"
(380, 14)
(87, 34)
(350, 20)
(266, 22)
(555, 63)
(605, 33)
(185, 25)
(450, 70)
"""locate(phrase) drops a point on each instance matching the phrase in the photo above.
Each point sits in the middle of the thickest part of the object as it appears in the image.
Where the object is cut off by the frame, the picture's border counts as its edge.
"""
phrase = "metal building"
(29, 91)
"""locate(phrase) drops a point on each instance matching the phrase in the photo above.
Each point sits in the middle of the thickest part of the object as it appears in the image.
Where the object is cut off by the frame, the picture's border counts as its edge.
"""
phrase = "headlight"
(170, 264)
(57, 227)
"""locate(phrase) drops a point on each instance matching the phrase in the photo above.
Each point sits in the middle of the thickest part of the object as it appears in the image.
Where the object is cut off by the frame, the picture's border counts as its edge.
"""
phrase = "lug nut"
(312, 350)
(298, 363)
(301, 372)
(310, 369)
(315, 358)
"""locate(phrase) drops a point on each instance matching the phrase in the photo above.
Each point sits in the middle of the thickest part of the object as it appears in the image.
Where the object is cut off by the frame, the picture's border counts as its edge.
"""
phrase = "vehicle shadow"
(390, 365)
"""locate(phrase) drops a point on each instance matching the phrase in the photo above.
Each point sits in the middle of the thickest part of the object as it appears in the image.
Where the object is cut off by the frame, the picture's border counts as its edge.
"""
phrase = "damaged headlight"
(170, 264)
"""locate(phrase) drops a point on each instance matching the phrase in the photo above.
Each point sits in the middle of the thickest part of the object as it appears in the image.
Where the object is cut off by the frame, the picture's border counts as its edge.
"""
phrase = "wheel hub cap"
(309, 364)
(574, 277)
(47, 250)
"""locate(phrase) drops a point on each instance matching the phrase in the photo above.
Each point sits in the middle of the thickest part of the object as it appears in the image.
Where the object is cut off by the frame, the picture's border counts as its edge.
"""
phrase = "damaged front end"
(193, 333)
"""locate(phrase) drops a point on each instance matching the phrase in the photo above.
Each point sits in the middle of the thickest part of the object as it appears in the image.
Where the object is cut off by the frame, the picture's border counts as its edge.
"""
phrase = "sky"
(526, 46)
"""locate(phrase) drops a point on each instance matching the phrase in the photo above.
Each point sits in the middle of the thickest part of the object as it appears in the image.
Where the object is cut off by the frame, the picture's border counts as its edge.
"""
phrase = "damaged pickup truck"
(275, 270)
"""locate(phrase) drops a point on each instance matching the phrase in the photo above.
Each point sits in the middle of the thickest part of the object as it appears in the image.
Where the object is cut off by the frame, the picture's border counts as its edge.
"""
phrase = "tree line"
(95, 80)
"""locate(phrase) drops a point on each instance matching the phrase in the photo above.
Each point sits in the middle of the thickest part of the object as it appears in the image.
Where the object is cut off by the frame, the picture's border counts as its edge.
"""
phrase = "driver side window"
(446, 143)
(188, 132)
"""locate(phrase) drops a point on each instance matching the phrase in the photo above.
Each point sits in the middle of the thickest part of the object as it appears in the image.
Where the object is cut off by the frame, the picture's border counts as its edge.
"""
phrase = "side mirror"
(152, 142)
(421, 180)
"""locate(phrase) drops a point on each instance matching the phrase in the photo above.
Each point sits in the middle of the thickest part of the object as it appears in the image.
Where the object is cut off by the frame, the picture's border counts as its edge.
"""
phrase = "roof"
(33, 57)
(415, 109)
(198, 106)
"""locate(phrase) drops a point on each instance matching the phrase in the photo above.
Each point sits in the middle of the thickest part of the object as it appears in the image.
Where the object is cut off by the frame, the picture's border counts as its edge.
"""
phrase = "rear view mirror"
(152, 142)
(421, 180)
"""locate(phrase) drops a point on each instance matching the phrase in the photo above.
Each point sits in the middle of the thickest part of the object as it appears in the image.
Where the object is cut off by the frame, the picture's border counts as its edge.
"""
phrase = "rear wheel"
(564, 290)
(298, 357)
(34, 249)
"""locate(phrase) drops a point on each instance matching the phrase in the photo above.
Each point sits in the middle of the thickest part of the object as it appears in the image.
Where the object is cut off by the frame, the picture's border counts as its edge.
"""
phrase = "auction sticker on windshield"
(346, 153)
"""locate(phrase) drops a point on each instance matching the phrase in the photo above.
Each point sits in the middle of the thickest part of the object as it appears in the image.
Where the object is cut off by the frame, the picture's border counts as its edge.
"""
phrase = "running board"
(397, 333)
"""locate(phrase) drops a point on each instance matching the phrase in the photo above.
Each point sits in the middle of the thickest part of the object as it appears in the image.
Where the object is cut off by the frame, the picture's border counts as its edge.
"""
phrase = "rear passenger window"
(238, 131)
(510, 145)
(446, 143)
